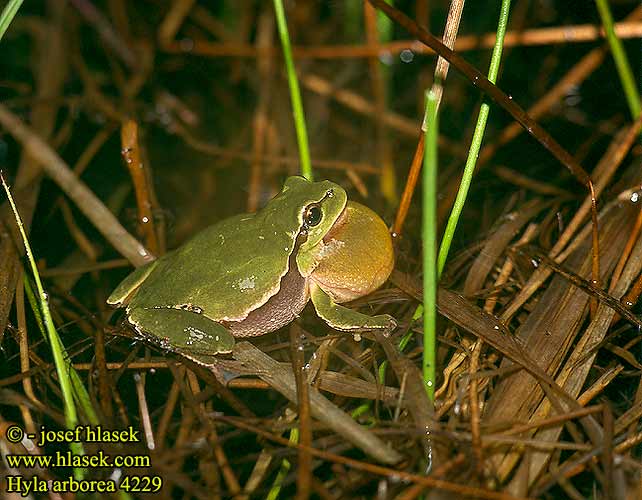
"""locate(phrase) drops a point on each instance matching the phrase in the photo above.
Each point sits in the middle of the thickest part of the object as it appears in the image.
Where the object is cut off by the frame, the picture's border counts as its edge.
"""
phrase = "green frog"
(251, 274)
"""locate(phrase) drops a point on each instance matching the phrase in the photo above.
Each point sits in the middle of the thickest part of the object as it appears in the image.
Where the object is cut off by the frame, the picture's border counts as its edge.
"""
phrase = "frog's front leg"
(342, 318)
(183, 331)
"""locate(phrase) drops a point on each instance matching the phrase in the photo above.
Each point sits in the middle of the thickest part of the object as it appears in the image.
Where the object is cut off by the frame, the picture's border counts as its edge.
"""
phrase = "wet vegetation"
(126, 127)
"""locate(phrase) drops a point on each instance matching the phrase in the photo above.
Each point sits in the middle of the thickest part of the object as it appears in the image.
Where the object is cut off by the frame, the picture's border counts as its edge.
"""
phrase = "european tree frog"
(254, 273)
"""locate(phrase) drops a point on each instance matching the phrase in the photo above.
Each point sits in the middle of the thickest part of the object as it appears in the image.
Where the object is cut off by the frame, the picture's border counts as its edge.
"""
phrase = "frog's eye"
(312, 216)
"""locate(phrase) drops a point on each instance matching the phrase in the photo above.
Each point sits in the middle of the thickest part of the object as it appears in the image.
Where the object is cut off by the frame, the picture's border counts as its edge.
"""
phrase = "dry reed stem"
(95, 17)
(377, 469)
(82, 196)
(231, 154)
(441, 72)
(139, 381)
(49, 74)
(172, 21)
(603, 173)
(264, 38)
(130, 149)
(578, 73)
(23, 341)
(359, 104)
(304, 466)
(379, 83)
(282, 379)
(532, 37)
(449, 38)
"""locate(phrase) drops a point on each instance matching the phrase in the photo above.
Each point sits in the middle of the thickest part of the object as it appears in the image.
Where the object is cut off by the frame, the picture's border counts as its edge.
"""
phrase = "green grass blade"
(429, 237)
(61, 363)
(295, 92)
(621, 61)
(475, 145)
(81, 396)
(275, 490)
(8, 13)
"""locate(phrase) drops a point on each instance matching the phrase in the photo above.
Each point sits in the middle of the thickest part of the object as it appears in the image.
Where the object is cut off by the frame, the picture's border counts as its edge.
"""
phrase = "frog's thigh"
(186, 331)
(342, 318)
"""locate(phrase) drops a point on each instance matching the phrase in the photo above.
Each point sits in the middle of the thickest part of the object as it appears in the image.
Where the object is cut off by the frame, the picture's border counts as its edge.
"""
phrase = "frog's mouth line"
(338, 223)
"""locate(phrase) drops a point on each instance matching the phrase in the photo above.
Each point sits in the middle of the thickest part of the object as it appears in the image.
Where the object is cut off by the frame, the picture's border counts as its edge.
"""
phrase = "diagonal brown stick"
(488, 88)
(515, 110)
(84, 198)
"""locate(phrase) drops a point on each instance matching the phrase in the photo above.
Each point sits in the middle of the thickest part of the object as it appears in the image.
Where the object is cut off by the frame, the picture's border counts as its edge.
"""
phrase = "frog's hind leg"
(342, 318)
(185, 332)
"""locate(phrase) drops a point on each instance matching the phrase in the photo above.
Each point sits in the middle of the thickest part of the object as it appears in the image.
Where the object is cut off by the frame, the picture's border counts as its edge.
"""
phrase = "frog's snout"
(357, 256)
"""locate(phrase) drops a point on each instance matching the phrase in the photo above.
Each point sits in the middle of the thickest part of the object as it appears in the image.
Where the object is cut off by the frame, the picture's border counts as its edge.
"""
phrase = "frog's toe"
(182, 331)
(387, 322)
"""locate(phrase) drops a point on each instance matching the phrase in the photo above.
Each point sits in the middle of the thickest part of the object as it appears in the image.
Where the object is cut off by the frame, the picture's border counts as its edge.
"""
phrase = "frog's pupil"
(312, 216)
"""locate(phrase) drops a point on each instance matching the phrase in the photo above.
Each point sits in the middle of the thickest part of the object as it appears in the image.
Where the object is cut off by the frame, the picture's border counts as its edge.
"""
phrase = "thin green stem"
(475, 145)
(295, 93)
(61, 363)
(621, 61)
(275, 490)
(8, 13)
(81, 396)
(429, 236)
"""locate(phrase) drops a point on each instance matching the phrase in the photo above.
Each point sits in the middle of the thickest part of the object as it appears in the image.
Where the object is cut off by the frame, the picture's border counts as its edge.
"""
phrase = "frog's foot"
(182, 331)
(347, 320)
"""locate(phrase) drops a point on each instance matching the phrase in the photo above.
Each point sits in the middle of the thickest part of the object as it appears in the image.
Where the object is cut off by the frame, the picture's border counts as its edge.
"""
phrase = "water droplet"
(145, 219)
(635, 197)
(406, 55)
(386, 58)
